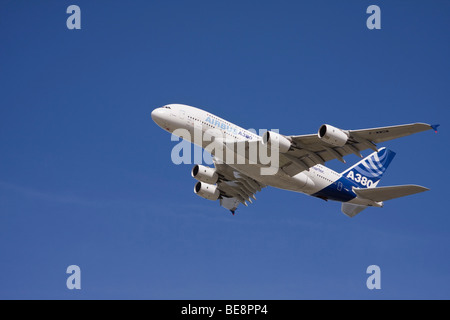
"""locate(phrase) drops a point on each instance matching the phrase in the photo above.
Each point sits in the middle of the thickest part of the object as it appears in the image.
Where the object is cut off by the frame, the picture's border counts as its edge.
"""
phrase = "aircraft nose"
(158, 115)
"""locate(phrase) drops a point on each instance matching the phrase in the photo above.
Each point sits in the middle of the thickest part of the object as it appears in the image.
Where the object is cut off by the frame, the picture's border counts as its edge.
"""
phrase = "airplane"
(300, 160)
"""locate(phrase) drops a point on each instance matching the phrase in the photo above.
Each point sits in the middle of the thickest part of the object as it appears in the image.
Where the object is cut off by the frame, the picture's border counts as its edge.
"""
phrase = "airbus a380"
(300, 166)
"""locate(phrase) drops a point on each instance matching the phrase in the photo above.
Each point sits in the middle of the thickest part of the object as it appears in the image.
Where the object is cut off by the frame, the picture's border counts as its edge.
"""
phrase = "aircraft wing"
(310, 150)
(235, 187)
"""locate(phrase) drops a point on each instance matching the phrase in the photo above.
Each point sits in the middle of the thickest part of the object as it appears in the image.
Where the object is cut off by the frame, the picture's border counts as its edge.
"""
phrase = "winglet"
(435, 126)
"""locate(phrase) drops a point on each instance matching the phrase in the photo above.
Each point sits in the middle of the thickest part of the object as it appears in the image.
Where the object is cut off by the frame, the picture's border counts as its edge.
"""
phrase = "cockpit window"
(166, 107)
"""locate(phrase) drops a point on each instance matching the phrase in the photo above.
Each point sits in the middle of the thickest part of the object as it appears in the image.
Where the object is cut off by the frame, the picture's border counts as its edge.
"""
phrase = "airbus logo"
(220, 125)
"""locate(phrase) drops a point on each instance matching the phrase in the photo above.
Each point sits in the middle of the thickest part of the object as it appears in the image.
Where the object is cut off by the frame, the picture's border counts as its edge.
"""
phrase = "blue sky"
(86, 176)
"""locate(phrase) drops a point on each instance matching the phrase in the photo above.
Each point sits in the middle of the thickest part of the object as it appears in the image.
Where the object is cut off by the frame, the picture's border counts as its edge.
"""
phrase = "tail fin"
(368, 172)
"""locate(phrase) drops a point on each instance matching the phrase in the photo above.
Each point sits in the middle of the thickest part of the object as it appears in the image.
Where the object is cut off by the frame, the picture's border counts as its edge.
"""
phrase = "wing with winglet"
(331, 143)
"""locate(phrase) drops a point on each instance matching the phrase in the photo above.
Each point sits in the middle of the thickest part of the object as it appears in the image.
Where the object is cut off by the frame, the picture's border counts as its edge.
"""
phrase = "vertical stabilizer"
(368, 172)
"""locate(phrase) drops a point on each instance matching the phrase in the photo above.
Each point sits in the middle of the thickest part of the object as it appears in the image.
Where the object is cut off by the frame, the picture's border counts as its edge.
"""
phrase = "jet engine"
(331, 135)
(207, 191)
(276, 141)
(204, 174)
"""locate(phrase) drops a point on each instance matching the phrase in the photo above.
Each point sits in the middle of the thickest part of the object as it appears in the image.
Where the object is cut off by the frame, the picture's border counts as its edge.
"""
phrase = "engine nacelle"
(207, 191)
(276, 141)
(204, 174)
(331, 135)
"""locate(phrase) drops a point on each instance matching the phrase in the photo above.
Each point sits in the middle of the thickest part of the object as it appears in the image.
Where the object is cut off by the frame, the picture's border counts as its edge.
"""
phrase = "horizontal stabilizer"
(351, 209)
(388, 193)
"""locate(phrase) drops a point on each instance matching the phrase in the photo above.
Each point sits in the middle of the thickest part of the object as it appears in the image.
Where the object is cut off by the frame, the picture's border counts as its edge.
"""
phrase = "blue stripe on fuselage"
(340, 190)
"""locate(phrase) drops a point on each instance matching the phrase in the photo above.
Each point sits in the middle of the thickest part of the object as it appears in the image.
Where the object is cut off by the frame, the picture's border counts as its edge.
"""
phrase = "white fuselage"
(177, 116)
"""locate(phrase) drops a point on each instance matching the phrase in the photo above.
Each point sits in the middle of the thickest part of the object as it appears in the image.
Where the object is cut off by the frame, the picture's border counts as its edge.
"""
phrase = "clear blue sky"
(86, 176)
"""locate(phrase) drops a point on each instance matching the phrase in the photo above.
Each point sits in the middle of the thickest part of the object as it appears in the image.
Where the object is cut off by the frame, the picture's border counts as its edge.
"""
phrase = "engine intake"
(204, 174)
(207, 191)
(332, 135)
(276, 141)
